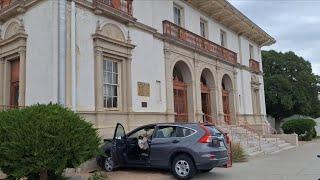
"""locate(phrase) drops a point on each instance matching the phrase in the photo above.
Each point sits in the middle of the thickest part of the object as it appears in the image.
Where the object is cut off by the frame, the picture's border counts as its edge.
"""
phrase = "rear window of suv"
(214, 130)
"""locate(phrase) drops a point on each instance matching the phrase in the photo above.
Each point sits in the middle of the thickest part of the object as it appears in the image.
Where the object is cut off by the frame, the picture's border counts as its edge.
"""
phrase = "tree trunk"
(43, 175)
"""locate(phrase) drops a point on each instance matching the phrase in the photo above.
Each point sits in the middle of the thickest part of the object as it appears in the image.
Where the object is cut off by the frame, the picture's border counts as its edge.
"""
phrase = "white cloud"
(294, 24)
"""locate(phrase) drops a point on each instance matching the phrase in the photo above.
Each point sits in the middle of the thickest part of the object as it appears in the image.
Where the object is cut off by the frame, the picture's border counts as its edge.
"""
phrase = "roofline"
(247, 28)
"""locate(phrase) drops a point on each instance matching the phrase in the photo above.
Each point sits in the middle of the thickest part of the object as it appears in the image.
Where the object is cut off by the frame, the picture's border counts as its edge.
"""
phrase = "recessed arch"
(182, 91)
(227, 98)
(113, 31)
(208, 97)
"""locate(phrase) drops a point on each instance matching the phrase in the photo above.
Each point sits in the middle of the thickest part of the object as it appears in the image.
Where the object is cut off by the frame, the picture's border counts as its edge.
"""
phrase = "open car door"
(118, 146)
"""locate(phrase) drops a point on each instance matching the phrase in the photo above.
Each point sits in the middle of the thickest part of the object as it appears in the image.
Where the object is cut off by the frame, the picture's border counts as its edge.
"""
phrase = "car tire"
(205, 170)
(182, 167)
(108, 164)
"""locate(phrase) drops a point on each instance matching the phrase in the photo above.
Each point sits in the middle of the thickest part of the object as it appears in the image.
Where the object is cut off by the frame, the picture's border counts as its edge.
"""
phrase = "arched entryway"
(207, 95)
(227, 98)
(182, 91)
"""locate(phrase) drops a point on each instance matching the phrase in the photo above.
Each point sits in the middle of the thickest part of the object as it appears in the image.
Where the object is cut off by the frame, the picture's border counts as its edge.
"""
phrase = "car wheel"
(108, 164)
(183, 167)
(205, 170)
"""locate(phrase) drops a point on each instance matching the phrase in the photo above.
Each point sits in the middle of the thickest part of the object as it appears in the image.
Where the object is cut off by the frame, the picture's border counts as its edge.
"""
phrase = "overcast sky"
(294, 23)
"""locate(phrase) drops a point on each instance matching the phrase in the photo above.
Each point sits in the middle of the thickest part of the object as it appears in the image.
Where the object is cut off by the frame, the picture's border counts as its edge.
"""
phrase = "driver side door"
(118, 146)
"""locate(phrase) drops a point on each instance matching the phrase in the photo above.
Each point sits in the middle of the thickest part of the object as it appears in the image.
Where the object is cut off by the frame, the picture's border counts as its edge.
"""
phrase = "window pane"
(109, 102)
(114, 91)
(104, 77)
(109, 66)
(104, 65)
(115, 79)
(166, 132)
(109, 90)
(115, 102)
(104, 101)
(115, 67)
(109, 77)
(104, 90)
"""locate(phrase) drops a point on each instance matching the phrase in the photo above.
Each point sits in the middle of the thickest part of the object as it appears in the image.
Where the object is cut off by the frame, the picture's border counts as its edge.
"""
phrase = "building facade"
(136, 62)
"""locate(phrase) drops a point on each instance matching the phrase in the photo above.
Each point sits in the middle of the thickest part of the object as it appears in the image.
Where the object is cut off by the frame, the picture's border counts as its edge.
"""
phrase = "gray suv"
(185, 149)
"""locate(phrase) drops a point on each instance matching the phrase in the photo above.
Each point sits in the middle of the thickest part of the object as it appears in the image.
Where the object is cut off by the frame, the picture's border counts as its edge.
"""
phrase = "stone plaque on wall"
(143, 89)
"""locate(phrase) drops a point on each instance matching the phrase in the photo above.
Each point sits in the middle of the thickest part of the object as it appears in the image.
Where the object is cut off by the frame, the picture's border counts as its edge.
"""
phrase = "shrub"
(238, 154)
(304, 128)
(97, 176)
(43, 140)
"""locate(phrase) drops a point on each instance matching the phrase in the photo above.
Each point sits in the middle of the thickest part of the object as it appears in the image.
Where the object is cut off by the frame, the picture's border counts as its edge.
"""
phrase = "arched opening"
(207, 95)
(181, 78)
(226, 98)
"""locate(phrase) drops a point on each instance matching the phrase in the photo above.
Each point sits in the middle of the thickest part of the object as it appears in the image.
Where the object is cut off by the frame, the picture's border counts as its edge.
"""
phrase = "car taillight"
(206, 138)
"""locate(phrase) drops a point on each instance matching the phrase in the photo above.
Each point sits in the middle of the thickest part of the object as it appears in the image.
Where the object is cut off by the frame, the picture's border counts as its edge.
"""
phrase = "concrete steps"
(254, 144)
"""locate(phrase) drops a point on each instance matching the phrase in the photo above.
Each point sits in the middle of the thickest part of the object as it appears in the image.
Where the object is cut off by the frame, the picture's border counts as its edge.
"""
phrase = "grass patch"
(238, 153)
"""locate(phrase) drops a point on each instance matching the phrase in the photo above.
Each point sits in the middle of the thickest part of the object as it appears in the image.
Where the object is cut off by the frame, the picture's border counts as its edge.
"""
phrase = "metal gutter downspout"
(73, 56)
(62, 4)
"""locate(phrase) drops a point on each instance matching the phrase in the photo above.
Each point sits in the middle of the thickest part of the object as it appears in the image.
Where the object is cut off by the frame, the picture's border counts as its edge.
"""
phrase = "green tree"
(290, 86)
(43, 140)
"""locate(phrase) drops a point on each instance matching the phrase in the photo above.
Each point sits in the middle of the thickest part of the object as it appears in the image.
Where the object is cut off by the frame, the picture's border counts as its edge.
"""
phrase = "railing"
(254, 65)
(174, 31)
(124, 6)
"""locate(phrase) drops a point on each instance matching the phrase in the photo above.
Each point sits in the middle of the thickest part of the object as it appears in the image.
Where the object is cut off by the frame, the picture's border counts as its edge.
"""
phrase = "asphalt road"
(296, 164)
(300, 163)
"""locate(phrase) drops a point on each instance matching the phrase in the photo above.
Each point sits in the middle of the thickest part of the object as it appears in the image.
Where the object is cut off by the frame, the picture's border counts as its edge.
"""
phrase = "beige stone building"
(135, 62)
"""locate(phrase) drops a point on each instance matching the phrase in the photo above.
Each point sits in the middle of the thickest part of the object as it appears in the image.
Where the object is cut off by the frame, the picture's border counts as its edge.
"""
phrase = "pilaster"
(98, 80)
(22, 74)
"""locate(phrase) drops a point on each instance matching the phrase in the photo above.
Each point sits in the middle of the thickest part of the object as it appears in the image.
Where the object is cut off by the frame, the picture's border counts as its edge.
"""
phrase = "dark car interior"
(133, 152)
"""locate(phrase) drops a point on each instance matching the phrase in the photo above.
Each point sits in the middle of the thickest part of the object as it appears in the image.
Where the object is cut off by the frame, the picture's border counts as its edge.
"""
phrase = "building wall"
(39, 25)
(149, 63)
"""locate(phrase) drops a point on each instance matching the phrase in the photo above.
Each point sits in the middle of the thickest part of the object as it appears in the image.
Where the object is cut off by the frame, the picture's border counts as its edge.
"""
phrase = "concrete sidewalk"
(300, 163)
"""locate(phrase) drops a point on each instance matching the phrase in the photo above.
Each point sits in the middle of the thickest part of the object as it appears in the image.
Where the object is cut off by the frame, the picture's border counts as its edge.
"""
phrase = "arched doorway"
(226, 98)
(181, 78)
(207, 95)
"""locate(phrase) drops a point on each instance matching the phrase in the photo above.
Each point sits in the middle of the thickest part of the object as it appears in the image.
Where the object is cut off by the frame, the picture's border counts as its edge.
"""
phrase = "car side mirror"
(318, 156)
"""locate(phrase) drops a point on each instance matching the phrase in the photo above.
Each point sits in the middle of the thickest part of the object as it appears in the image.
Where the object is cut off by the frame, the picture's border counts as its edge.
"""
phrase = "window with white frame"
(177, 13)
(251, 51)
(223, 38)
(111, 84)
(203, 28)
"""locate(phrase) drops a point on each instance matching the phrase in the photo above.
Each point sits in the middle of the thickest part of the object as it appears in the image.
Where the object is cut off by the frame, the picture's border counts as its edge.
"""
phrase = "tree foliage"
(290, 86)
(304, 128)
(44, 139)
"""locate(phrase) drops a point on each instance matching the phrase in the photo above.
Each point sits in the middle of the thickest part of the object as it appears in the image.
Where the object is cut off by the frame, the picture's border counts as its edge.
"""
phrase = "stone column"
(214, 102)
(198, 101)
(1, 81)
(128, 83)
(98, 80)
(235, 98)
(22, 77)
(6, 83)
(219, 95)
(169, 85)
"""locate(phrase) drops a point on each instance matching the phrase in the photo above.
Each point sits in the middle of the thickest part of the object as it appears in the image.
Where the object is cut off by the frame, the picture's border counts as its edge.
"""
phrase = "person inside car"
(143, 142)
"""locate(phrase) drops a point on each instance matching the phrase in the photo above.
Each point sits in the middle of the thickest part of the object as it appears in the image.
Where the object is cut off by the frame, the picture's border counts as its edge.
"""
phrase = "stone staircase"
(254, 143)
